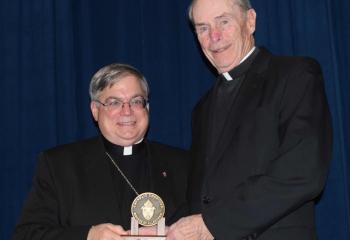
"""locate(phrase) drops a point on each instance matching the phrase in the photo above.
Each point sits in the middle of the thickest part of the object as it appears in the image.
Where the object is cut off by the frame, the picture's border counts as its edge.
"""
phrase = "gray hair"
(110, 74)
(244, 4)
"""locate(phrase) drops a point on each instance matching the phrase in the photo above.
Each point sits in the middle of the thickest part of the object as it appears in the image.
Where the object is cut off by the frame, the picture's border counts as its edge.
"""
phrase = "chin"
(127, 142)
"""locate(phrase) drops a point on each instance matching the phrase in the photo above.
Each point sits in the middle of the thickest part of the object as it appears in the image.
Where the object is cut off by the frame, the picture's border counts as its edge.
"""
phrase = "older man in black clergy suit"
(261, 135)
(84, 190)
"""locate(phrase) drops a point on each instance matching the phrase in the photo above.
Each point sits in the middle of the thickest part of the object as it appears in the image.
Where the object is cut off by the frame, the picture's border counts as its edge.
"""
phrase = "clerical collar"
(241, 67)
(118, 150)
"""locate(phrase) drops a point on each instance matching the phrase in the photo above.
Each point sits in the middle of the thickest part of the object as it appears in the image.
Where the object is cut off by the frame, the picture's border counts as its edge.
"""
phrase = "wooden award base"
(135, 231)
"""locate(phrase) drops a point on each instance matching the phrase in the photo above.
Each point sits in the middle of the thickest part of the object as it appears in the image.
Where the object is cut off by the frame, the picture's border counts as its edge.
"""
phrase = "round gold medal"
(147, 208)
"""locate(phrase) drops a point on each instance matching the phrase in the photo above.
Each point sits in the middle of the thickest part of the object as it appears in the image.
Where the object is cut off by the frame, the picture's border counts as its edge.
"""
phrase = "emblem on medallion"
(147, 208)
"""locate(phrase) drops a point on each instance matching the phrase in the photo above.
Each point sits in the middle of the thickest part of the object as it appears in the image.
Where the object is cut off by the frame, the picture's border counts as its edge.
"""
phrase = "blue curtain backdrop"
(49, 50)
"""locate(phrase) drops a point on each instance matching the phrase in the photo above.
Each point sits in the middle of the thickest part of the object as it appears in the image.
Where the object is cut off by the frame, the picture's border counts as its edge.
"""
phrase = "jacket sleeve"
(40, 216)
(294, 176)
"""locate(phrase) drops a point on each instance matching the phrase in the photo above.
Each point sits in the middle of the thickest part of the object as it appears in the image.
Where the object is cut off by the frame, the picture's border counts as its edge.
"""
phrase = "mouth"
(126, 123)
(219, 50)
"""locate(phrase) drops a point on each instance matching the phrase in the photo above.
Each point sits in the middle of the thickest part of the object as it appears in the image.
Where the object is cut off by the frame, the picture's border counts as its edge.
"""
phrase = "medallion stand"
(135, 231)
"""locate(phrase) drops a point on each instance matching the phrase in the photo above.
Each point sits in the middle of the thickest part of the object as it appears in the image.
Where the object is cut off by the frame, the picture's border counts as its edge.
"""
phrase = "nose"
(126, 109)
(215, 34)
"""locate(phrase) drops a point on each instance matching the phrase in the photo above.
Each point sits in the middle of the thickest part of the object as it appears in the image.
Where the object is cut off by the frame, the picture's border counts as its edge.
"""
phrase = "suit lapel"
(99, 178)
(208, 121)
(246, 100)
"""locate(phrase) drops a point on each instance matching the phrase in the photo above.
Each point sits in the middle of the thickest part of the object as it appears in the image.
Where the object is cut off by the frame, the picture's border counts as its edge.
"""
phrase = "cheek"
(204, 42)
(109, 120)
(230, 37)
(143, 119)
(231, 33)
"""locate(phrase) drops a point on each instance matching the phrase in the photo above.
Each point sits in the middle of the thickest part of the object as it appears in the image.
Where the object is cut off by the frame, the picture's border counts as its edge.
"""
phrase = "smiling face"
(125, 126)
(224, 31)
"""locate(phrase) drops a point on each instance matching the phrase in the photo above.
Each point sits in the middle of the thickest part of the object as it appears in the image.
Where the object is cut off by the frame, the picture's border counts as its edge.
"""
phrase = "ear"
(251, 20)
(94, 110)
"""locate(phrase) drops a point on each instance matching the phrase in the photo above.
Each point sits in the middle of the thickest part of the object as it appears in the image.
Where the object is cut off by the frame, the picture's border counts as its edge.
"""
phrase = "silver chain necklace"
(122, 174)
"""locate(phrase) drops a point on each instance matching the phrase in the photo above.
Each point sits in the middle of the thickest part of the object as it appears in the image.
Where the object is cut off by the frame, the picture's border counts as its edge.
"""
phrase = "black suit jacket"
(73, 190)
(270, 164)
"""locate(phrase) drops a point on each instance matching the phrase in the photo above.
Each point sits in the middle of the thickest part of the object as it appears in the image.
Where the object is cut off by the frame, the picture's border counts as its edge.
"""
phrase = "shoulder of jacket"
(70, 151)
(294, 63)
(73, 145)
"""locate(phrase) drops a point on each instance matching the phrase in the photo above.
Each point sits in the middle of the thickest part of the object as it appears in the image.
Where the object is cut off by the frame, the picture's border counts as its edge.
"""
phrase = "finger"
(117, 229)
(166, 229)
(148, 230)
(175, 235)
(103, 232)
(184, 229)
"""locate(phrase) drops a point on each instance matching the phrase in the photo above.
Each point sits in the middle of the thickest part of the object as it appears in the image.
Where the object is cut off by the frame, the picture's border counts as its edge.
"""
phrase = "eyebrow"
(224, 15)
(121, 99)
(200, 24)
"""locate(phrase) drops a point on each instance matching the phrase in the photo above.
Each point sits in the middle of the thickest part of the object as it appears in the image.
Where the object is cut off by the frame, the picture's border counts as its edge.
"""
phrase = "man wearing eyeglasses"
(84, 190)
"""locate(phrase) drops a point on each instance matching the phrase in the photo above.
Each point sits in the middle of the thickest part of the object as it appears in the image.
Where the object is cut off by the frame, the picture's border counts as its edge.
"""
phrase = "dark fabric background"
(49, 50)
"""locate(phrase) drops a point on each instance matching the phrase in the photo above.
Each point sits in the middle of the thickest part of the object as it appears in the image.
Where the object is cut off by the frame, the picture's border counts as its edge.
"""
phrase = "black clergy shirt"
(136, 167)
(225, 92)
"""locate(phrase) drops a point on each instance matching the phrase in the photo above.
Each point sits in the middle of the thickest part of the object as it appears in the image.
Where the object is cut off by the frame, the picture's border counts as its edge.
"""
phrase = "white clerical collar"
(127, 151)
(227, 75)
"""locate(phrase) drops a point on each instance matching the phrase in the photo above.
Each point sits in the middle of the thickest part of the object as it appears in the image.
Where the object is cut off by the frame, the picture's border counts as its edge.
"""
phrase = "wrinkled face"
(224, 31)
(124, 126)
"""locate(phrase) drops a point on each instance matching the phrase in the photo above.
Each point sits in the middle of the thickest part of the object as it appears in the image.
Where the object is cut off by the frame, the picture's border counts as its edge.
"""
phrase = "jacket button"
(206, 200)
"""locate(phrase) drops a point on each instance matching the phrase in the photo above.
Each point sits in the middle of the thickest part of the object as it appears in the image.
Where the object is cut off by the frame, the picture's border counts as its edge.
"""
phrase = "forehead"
(128, 85)
(204, 10)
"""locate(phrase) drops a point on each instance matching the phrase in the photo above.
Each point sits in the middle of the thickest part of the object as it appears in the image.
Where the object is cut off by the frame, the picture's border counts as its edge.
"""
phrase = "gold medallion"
(147, 208)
